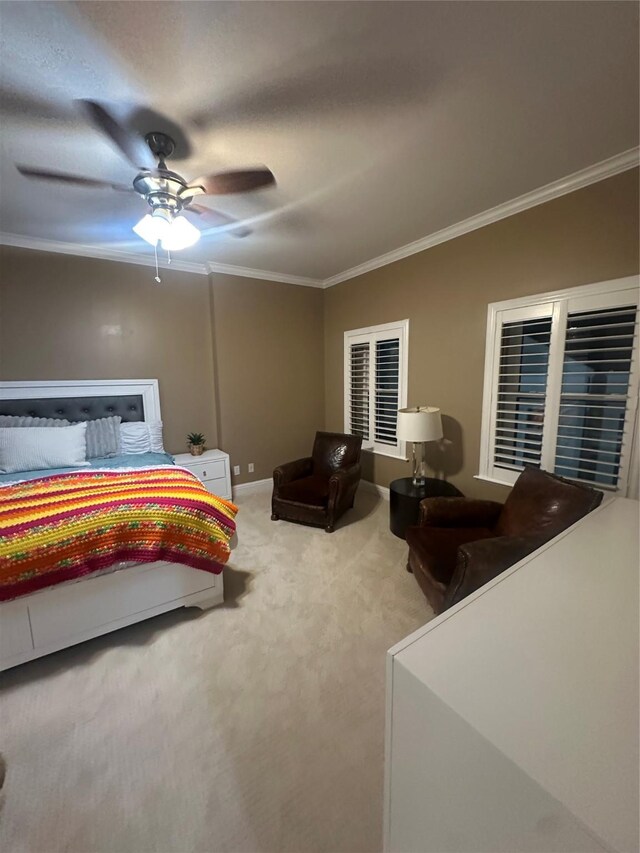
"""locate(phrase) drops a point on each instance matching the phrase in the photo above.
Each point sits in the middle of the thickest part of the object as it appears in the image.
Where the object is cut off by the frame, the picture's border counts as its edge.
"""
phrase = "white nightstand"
(212, 468)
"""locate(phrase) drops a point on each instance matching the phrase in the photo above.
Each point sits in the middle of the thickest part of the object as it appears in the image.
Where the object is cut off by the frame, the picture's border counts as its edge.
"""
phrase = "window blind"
(595, 394)
(359, 389)
(522, 389)
(561, 386)
(375, 384)
(387, 384)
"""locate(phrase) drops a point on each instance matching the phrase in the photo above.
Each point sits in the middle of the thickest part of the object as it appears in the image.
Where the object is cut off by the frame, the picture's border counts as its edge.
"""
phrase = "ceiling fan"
(167, 193)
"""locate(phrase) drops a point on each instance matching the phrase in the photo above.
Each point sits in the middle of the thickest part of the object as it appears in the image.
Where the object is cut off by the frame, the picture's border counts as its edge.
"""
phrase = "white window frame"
(556, 304)
(372, 334)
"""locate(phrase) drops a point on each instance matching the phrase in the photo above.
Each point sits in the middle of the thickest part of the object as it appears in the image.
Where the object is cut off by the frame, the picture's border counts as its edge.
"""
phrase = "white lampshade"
(174, 234)
(152, 228)
(421, 423)
(181, 235)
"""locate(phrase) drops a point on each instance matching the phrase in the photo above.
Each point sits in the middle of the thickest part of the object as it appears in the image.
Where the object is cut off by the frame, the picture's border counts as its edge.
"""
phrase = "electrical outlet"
(236, 470)
(251, 468)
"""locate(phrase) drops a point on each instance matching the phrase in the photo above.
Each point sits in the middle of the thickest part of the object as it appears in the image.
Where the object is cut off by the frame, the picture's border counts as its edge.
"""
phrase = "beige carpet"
(257, 726)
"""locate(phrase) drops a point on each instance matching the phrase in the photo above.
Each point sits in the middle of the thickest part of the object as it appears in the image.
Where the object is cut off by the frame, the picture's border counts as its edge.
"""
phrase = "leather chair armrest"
(458, 512)
(292, 471)
(343, 484)
(481, 561)
(344, 477)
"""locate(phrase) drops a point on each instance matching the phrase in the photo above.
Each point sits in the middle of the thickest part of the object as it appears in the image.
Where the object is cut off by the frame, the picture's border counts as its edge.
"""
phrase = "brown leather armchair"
(461, 543)
(318, 489)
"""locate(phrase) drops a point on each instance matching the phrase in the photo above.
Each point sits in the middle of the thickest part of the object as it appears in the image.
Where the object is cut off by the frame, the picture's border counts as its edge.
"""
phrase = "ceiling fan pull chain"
(155, 251)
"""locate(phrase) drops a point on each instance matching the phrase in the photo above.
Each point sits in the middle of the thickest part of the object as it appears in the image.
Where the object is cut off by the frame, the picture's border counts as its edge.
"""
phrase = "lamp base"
(419, 474)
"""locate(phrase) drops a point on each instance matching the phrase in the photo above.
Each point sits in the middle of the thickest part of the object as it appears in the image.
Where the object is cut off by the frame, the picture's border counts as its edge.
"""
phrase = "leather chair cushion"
(333, 451)
(543, 504)
(434, 550)
(313, 491)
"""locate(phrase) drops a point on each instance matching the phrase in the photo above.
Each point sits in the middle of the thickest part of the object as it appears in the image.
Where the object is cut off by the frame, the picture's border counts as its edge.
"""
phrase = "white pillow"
(141, 437)
(37, 448)
(29, 421)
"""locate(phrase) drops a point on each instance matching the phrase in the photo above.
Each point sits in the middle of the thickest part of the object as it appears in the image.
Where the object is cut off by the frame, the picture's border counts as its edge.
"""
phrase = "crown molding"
(109, 254)
(591, 175)
(100, 252)
(265, 275)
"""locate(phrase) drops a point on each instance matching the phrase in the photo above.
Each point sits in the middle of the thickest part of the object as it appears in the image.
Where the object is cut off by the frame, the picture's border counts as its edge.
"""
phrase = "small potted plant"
(196, 442)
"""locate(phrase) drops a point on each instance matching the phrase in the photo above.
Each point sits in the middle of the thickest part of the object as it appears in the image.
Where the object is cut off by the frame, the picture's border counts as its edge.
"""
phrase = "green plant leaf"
(196, 438)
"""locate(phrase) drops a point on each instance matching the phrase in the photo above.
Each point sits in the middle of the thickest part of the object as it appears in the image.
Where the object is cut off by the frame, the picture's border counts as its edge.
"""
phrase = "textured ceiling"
(383, 122)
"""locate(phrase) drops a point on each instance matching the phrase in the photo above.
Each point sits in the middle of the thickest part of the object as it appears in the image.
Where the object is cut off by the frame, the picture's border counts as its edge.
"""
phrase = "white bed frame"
(44, 622)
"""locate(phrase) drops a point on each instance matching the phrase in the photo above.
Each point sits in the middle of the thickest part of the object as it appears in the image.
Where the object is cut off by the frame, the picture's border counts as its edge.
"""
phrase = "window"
(375, 384)
(561, 385)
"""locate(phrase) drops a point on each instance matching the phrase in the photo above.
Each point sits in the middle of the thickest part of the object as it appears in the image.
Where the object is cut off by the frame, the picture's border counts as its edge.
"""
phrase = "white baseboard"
(262, 485)
(368, 486)
(252, 487)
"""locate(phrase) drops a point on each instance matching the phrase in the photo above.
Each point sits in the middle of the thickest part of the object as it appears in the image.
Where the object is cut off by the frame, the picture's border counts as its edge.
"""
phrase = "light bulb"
(152, 228)
(180, 235)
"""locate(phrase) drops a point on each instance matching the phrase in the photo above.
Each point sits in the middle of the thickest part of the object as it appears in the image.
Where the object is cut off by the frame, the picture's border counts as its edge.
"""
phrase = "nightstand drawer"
(208, 470)
(219, 486)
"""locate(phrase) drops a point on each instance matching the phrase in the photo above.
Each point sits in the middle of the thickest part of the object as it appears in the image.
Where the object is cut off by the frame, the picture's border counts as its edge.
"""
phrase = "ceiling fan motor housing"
(161, 189)
(164, 190)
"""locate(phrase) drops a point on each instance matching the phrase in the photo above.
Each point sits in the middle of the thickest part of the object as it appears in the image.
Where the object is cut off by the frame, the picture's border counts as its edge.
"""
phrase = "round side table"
(404, 500)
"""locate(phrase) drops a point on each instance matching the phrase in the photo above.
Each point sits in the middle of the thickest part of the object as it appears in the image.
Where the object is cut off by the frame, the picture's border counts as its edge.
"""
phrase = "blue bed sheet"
(127, 460)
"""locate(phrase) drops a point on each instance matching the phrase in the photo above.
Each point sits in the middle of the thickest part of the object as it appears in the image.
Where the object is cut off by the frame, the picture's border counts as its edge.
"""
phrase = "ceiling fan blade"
(216, 219)
(23, 105)
(75, 180)
(132, 145)
(243, 181)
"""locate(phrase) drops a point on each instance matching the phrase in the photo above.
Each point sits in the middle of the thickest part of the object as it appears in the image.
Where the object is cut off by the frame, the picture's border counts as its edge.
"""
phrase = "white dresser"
(212, 467)
(512, 719)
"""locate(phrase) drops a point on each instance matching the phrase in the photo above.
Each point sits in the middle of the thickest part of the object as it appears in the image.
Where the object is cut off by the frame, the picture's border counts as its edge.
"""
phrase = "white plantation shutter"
(375, 384)
(561, 385)
(523, 368)
(359, 389)
(596, 402)
(387, 385)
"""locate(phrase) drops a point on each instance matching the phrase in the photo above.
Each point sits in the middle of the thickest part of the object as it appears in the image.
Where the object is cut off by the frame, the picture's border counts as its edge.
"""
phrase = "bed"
(77, 608)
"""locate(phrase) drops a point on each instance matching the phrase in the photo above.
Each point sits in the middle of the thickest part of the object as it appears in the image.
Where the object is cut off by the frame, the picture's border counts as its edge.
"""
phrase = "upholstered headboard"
(130, 408)
(133, 400)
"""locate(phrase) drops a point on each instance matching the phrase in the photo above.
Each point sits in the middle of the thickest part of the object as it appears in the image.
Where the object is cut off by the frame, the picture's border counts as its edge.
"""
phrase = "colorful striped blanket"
(65, 526)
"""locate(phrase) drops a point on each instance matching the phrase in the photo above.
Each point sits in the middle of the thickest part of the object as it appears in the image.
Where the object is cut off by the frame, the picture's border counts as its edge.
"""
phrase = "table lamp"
(419, 425)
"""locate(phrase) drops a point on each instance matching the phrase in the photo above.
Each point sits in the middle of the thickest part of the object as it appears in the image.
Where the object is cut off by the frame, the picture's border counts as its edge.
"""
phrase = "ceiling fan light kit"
(173, 233)
(181, 235)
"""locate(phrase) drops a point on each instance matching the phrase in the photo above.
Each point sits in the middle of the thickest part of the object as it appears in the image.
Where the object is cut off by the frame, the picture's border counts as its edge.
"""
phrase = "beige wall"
(587, 236)
(54, 314)
(268, 344)
(257, 366)
(254, 348)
